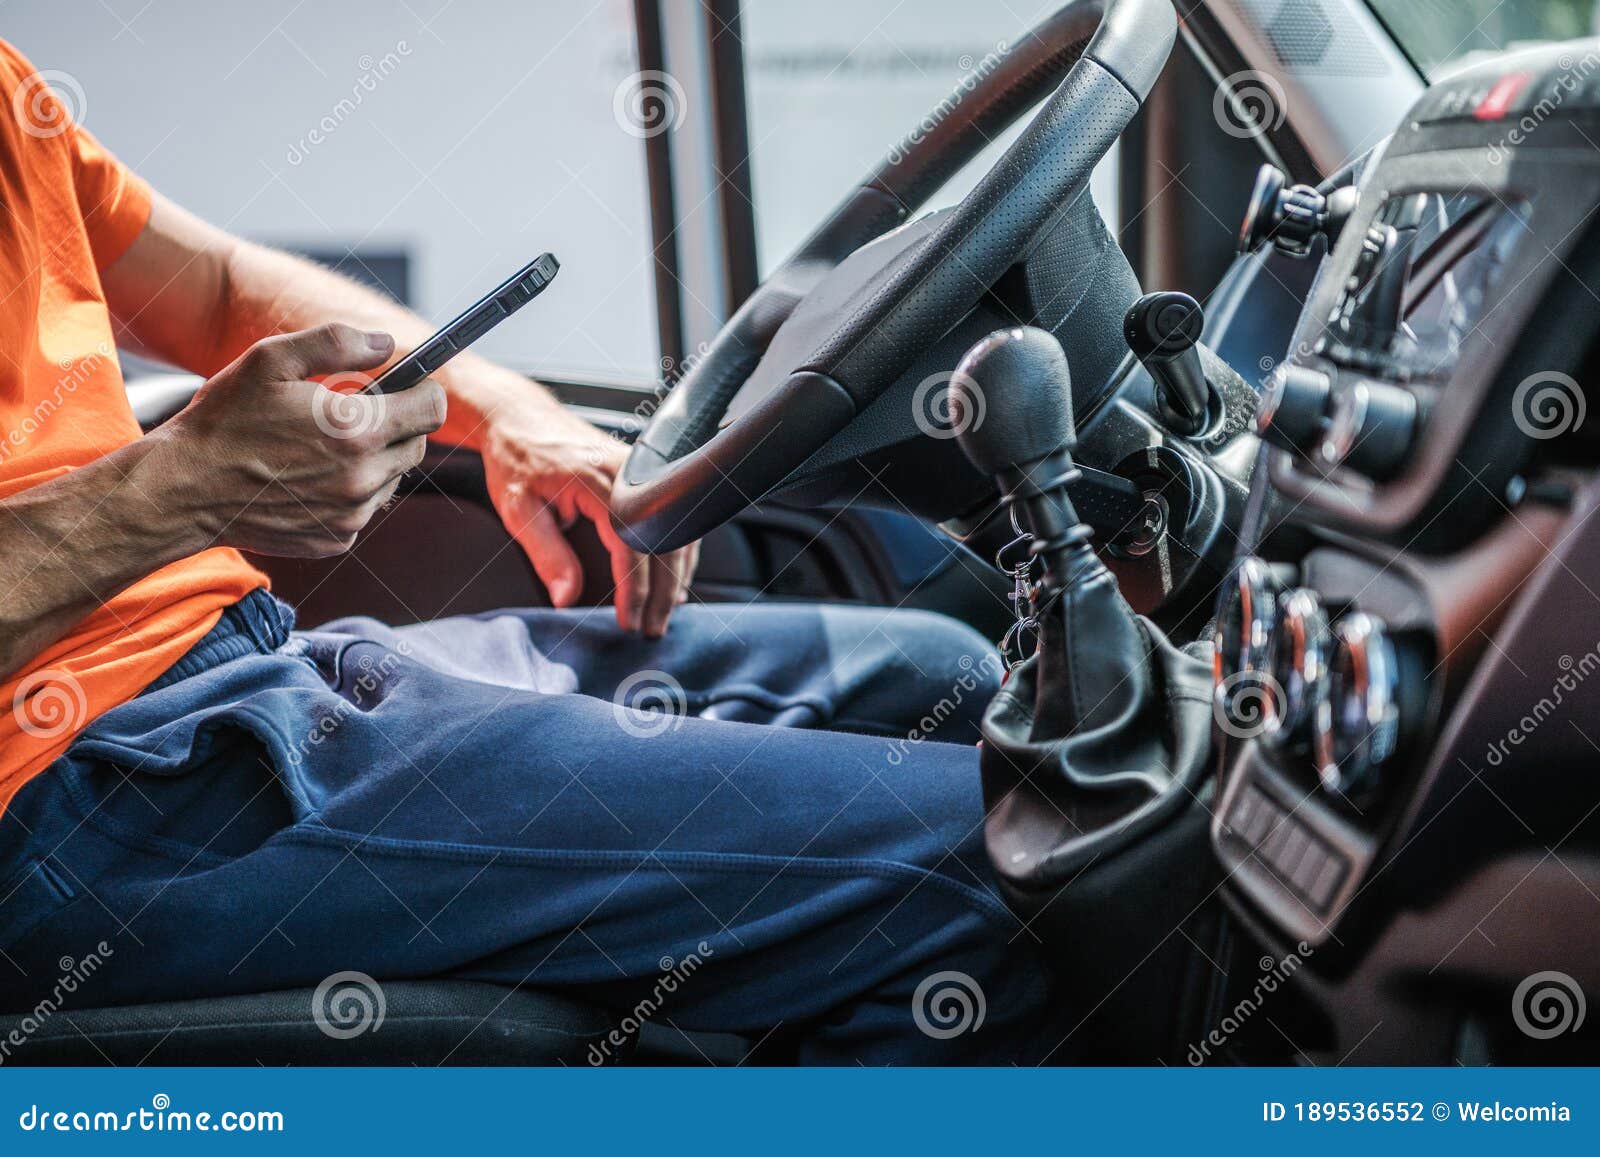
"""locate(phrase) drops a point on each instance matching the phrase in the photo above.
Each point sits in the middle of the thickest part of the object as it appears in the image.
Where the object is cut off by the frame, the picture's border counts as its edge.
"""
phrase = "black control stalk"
(1163, 331)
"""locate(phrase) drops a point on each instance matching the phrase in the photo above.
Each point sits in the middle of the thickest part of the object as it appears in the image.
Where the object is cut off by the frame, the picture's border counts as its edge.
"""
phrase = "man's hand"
(191, 295)
(546, 468)
(280, 465)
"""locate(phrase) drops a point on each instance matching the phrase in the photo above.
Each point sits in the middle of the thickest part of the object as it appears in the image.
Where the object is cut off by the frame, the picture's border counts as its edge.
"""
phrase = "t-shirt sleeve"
(114, 201)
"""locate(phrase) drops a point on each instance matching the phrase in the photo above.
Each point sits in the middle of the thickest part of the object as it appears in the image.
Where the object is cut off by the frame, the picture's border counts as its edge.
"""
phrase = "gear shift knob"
(1011, 403)
(1011, 400)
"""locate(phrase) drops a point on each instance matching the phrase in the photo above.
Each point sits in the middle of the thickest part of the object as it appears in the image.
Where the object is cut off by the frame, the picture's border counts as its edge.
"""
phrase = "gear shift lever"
(1104, 735)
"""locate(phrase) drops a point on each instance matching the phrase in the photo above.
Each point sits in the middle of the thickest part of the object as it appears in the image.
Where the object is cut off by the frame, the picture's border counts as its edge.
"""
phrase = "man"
(238, 807)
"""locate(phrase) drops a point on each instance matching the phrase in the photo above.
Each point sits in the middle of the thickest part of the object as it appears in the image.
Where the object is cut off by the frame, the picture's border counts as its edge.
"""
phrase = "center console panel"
(1403, 657)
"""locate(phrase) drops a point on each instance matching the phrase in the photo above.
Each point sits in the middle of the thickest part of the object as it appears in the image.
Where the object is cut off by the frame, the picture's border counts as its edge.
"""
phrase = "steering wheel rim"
(684, 477)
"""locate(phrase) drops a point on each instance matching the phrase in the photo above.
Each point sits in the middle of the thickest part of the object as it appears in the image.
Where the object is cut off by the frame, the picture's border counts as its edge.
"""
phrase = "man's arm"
(544, 467)
(69, 544)
(245, 465)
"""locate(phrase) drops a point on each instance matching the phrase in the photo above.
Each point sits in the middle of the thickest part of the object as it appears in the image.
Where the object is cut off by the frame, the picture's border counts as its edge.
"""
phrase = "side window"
(429, 147)
(833, 85)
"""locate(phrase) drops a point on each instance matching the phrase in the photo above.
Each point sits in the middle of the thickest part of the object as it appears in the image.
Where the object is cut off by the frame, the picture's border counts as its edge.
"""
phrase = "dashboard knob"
(1294, 408)
(1357, 726)
(1246, 612)
(1370, 430)
(1301, 642)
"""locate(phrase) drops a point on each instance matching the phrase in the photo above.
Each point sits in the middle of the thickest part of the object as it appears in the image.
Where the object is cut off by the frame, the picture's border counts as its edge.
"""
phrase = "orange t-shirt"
(68, 209)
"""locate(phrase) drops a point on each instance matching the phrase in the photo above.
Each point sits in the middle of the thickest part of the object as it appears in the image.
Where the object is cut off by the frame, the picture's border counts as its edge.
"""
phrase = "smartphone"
(511, 295)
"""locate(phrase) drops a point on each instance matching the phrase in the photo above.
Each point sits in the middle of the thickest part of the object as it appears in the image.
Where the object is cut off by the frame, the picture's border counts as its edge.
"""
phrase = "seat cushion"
(425, 1022)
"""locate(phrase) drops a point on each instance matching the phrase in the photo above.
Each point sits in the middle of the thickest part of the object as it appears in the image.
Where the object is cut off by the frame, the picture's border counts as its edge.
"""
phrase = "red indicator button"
(1497, 101)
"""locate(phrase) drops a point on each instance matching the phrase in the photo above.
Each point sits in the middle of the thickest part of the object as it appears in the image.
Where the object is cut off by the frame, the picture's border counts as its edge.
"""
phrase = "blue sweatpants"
(788, 793)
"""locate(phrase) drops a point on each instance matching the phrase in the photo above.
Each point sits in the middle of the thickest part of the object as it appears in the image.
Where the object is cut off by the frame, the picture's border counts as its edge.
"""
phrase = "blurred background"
(433, 146)
(671, 152)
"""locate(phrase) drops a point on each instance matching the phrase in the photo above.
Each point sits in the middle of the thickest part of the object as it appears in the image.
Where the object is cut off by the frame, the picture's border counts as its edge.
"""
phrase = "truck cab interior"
(1269, 322)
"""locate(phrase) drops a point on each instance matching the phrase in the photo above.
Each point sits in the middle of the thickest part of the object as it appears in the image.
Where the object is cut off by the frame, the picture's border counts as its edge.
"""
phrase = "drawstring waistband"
(257, 624)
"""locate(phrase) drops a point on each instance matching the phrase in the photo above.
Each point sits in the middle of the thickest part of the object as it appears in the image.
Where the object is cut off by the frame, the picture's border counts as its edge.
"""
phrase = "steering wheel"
(686, 476)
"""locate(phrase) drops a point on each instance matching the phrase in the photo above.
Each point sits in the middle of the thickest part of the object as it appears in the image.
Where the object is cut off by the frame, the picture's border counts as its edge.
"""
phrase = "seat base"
(426, 1022)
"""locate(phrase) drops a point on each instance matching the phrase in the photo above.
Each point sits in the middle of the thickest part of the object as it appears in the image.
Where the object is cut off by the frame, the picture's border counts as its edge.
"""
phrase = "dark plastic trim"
(663, 206)
(730, 143)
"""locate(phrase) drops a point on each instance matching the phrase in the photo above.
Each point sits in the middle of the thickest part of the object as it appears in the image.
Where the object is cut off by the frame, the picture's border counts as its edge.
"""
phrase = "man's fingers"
(663, 595)
(410, 413)
(327, 349)
(631, 574)
(683, 564)
(379, 500)
(395, 460)
(534, 527)
(592, 497)
(647, 589)
(688, 563)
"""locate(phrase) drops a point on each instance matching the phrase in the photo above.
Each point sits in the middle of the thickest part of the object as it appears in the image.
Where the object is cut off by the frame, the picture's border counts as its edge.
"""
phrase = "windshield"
(1441, 34)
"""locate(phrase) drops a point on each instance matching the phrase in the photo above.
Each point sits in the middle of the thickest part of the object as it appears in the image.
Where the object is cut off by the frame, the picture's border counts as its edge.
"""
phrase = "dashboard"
(1405, 644)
